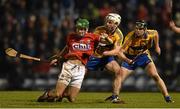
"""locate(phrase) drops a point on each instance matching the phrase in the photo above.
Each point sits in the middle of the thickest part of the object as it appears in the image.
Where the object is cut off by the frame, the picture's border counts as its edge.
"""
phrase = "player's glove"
(55, 59)
(104, 37)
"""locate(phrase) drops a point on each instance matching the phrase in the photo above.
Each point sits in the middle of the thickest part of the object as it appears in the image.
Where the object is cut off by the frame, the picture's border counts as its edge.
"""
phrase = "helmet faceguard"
(141, 27)
(141, 24)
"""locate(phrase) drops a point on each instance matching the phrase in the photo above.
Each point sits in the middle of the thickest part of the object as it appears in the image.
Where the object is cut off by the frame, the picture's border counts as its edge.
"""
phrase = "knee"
(156, 77)
(59, 95)
(71, 99)
(118, 73)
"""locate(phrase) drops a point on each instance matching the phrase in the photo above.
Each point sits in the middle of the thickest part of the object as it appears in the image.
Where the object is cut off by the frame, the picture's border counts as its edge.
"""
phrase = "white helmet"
(114, 17)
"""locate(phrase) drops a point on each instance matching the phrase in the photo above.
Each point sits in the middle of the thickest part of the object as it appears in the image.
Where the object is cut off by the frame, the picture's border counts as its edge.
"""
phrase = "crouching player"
(136, 47)
(79, 47)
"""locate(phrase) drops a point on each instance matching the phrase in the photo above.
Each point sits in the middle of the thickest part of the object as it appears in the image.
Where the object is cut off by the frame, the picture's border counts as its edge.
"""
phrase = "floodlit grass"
(27, 99)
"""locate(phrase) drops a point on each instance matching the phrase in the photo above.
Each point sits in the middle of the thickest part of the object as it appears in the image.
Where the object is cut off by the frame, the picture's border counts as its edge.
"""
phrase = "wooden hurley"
(13, 53)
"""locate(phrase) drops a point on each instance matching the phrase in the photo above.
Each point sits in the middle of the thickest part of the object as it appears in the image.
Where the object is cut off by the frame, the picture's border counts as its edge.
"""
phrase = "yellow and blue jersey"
(135, 45)
(137, 48)
(97, 60)
(106, 45)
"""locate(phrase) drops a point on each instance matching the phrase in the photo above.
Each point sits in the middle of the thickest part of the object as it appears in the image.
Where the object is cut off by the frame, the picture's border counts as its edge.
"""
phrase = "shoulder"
(91, 35)
(99, 29)
(119, 33)
(130, 34)
(71, 35)
(151, 31)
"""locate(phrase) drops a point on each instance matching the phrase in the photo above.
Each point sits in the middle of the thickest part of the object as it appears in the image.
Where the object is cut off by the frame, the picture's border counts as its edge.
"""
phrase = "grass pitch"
(27, 99)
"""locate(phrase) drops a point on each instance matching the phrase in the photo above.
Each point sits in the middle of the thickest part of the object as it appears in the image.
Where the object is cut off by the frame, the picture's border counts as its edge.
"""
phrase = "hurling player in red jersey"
(79, 47)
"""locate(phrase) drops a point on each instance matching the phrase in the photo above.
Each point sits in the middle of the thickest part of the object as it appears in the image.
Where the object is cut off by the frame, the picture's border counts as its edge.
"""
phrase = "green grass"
(27, 99)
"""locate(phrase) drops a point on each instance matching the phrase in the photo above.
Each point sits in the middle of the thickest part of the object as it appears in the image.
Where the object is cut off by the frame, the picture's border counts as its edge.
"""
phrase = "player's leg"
(53, 94)
(69, 90)
(119, 78)
(76, 82)
(152, 71)
(114, 67)
(62, 83)
(125, 70)
(72, 93)
(60, 88)
(66, 93)
(125, 73)
(93, 63)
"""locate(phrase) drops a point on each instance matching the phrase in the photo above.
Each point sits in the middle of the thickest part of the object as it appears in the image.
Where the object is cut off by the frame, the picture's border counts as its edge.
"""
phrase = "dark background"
(39, 28)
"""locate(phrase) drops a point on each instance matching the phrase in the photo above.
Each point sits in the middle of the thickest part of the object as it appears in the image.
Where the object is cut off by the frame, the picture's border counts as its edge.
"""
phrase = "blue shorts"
(141, 61)
(95, 63)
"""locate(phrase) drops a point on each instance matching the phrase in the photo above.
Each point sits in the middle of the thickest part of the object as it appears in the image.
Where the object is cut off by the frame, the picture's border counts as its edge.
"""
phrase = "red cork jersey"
(81, 47)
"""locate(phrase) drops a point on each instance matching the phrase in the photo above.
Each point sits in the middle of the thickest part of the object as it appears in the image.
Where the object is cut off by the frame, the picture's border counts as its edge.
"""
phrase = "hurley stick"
(13, 53)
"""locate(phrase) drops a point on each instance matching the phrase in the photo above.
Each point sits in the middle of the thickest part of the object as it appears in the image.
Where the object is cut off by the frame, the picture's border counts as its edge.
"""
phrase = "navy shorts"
(141, 61)
(95, 63)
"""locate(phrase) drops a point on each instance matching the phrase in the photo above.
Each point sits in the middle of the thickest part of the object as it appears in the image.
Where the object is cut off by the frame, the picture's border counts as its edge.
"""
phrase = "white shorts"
(72, 74)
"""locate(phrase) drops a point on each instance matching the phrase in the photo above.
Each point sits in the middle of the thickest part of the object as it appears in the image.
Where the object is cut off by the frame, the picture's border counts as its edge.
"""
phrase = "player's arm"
(119, 51)
(62, 52)
(126, 44)
(156, 42)
(102, 36)
(54, 59)
(123, 57)
(113, 52)
(174, 27)
(117, 45)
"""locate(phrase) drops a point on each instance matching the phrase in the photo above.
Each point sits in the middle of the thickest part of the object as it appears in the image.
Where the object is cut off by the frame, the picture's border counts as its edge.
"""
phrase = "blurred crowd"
(39, 28)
